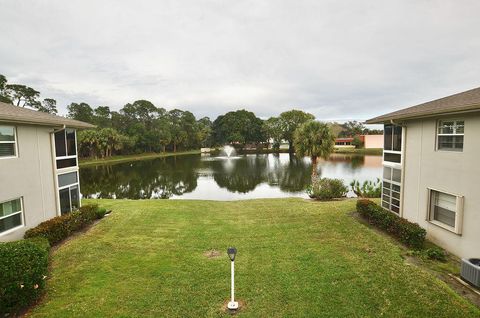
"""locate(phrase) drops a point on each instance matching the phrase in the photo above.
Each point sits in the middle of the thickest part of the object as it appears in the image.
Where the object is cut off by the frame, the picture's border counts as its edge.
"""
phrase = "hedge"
(23, 269)
(411, 234)
(59, 228)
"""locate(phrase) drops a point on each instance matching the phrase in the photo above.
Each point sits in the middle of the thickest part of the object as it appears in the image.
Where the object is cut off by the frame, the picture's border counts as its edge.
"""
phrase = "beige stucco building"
(431, 169)
(38, 168)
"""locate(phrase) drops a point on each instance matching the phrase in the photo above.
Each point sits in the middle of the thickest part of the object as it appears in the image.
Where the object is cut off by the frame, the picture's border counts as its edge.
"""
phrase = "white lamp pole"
(232, 251)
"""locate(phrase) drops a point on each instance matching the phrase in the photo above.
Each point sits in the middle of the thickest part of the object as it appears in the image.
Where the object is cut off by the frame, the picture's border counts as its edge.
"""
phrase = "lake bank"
(136, 157)
(152, 155)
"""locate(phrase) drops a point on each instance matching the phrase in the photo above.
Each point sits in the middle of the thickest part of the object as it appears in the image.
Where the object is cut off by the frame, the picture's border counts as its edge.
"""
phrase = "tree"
(181, 126)
(22, 95)
(48, 105)
(337, 128)
(204, 132)
(102, 116)
(290, 121)
(4, 96)
(82, 112)
(352, 128)
(272, 129)
(357, 142)
(239, 127)
(314, 139)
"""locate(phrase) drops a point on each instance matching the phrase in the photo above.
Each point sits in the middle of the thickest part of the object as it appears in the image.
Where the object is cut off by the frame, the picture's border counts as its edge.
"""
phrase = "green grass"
(296, 258)
(127, 158)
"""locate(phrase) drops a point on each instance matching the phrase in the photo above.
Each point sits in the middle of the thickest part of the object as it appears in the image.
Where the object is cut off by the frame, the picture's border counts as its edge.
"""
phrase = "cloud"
(335, 59)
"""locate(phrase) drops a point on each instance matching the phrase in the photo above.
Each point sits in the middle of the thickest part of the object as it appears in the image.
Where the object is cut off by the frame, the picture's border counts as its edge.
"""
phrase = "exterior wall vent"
(470, 271)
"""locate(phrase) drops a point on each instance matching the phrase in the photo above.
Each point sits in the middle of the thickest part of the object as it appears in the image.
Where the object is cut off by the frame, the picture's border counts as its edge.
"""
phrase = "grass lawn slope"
(296, 258)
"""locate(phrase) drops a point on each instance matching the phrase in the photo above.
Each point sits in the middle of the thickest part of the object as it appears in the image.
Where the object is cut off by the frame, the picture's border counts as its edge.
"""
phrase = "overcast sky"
(335, 59)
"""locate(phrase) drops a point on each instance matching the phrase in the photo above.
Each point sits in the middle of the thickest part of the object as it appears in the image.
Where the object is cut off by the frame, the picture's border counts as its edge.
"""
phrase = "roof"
(344, 139)
(14, 114)
(461, 102)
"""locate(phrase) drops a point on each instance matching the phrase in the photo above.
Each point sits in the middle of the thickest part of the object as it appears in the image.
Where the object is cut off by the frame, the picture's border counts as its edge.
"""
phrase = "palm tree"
(314, 139)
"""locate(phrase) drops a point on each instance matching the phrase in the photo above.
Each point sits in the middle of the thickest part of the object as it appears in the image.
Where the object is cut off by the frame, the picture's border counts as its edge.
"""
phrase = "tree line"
(140, 126)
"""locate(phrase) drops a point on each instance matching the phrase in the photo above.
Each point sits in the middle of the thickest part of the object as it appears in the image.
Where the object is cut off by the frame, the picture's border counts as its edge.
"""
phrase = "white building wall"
(373, 141)
(452, 172)
(31, 177)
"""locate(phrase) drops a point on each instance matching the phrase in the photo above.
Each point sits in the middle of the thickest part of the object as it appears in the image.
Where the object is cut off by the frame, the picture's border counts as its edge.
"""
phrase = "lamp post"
(232, 251)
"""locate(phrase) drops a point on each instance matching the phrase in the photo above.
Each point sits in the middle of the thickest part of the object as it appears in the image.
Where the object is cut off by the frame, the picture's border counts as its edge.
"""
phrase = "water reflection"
(203, 177)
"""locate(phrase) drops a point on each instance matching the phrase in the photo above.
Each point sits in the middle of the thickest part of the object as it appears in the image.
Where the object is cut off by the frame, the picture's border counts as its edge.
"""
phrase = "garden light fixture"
(232, 251)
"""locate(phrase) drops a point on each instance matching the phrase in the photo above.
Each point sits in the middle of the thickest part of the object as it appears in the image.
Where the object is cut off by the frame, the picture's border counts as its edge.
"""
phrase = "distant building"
(38, 168)
(431, 169)
(369, 141)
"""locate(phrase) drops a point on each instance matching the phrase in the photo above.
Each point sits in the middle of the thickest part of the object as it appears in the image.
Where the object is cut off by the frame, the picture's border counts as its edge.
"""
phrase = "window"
(66, 148)
(450, 135)
(392, 168)
(8, 142)
(11, 215)
(392, 179)
(68, 193)
(445, 210)
(392, 147)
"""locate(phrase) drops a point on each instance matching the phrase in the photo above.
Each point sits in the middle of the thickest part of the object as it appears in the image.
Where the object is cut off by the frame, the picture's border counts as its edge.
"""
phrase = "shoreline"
(136, 157)
(154, 155)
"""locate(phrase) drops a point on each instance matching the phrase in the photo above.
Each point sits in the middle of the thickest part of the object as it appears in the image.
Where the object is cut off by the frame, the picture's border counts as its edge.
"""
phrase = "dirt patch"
(212, 254)
(241, 307)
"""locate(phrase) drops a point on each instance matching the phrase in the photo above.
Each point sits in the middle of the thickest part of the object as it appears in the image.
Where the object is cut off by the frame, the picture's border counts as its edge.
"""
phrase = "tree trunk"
(290, 147)
(174, 147)
(163, 148)
(314, 167)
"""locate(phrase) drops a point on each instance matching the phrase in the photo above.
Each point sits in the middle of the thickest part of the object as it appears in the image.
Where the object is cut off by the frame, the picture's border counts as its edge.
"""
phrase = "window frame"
(21, 212)
(459, 205)
(68, 186)
(395, 152)
(394, 165)
(57, 158)
(438, 134)
(15, 142)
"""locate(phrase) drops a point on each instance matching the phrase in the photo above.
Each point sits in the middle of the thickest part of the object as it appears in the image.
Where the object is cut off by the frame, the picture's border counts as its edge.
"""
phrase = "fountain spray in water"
(229, 150)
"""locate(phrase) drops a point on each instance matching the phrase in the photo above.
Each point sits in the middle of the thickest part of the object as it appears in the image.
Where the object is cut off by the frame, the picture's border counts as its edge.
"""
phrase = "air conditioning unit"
(470, 271)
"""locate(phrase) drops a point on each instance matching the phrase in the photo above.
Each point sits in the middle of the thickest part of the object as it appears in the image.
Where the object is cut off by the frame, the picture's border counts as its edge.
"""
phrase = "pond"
(221, 178)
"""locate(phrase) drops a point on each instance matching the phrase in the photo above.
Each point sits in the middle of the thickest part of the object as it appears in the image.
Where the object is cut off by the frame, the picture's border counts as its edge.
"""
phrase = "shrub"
(411, 234)
(357, 142)
(368, 189)
(436, 253)
(100, 213)
(23, 269)
(327, 189)
(61, 227)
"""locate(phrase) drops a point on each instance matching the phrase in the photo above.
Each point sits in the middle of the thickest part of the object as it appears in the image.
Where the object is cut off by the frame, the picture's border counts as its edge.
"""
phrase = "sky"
(339, 60)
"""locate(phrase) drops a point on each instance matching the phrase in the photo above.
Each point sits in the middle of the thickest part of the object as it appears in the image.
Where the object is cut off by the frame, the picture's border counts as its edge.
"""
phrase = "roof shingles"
(14, 114)
(465, 101)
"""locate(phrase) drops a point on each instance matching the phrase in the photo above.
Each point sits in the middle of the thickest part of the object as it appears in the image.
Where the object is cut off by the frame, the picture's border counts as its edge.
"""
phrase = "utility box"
(470, 271)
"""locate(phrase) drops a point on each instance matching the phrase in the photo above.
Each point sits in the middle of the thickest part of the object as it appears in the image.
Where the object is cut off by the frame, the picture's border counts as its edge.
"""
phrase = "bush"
(100, 213)
(411, 234)
(327, 189)
(357, 142)
(368, 189)
(61, 227)
(436, 253)
(23, 269)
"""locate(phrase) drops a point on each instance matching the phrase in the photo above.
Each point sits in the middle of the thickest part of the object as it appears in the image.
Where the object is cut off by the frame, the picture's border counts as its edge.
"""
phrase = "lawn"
(296, 258)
